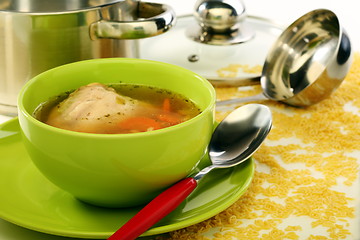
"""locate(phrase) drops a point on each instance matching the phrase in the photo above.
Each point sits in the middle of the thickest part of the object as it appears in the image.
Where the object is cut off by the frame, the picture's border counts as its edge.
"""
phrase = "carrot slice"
(166, 105)
(169, 118)
(139, 124)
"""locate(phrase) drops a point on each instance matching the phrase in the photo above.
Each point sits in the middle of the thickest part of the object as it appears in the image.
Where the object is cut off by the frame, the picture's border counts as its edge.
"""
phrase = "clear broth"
(171, 109)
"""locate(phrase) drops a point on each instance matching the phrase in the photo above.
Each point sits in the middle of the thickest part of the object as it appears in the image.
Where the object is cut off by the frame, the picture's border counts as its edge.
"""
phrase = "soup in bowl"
(146, 126)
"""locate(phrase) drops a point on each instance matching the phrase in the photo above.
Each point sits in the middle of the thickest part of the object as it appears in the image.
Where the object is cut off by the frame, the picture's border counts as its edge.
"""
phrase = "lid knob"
(220, 22)
(219, 16)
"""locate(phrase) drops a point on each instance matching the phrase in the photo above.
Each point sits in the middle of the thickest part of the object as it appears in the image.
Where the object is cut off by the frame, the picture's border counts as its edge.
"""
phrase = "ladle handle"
(257, 97)
(154, 211)
(233, 82)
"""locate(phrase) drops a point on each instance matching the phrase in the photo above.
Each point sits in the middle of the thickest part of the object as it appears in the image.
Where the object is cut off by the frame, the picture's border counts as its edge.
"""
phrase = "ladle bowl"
(307, 63)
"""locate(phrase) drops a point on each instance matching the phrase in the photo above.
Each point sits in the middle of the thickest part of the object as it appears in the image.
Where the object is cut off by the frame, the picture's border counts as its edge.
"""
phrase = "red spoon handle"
(154, 211)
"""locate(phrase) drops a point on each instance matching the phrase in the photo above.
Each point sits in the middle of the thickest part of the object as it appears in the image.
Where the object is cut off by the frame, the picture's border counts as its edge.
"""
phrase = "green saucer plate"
(29, 200)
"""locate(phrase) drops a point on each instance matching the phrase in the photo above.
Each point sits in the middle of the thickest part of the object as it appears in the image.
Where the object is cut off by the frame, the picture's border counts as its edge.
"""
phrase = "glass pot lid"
(215, 62)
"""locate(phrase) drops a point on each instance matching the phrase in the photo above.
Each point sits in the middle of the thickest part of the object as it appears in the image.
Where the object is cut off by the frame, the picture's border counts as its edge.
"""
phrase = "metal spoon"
(234, 140)
(306, 64)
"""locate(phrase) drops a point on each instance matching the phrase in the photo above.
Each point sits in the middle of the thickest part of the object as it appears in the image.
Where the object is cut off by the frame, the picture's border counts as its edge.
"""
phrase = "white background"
(284, 11)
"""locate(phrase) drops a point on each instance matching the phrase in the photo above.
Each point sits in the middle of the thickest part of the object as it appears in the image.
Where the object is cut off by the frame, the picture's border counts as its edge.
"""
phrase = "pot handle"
(162, 18)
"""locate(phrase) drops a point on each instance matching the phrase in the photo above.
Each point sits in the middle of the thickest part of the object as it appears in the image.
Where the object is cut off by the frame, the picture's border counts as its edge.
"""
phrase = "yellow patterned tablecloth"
(306, 184)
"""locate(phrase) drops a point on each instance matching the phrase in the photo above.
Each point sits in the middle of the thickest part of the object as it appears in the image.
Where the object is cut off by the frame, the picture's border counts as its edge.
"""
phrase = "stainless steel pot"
(36, 35)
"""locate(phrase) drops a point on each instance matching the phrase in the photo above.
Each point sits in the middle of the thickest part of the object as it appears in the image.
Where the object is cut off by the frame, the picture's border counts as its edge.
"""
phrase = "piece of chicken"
(94, 108)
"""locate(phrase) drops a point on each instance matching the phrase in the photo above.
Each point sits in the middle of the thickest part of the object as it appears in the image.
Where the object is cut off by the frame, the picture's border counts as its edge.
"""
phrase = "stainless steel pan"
(36, 35)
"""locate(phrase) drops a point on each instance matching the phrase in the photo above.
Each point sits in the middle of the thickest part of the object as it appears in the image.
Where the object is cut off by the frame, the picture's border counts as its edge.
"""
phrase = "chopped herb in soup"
(117, 108)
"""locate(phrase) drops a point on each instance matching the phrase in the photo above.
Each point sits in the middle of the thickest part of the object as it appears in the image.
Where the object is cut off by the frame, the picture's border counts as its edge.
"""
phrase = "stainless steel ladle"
(306, 64)
(234, 140)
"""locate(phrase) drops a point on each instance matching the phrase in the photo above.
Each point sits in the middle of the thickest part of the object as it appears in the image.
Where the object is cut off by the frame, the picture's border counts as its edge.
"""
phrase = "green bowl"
(116, 170)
